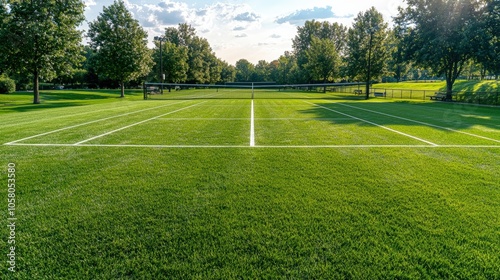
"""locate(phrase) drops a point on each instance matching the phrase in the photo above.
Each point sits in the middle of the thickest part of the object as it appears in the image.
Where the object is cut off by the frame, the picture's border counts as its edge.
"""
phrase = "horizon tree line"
(39, 40)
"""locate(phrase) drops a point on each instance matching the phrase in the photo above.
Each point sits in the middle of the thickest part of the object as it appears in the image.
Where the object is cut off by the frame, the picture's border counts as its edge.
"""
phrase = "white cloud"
(301, 16)
(89, 3)
(239, 29)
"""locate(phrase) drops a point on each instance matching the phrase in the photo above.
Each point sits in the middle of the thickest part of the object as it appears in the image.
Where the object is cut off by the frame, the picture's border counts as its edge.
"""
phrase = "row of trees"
(40, 39)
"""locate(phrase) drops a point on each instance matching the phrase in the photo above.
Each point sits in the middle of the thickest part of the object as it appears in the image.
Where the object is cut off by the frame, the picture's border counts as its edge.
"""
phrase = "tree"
(334, 32)
(367, 51)
(228, 72)
(244, 70)
(323, 60)
(397, 65)
(120, 45)
(174, 62)
(262, 72)
(41, 38)
(215, 69)
(488, 53)
(202, 62)
(274, 73)
(287, 68)
(439, 34)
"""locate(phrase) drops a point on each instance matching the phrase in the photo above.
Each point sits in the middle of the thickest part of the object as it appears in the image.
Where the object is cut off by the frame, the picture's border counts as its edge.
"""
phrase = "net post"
(145, 92)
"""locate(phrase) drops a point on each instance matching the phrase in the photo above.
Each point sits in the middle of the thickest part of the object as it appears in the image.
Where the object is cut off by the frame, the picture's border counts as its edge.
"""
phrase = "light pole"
(162, 76)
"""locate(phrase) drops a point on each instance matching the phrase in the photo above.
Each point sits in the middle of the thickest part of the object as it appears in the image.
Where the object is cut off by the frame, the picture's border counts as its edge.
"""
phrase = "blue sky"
(254, 30)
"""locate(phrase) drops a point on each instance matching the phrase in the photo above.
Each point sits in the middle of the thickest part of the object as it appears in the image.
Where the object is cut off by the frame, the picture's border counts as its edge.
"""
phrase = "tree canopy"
(333, 32)
(323, 60)
(367, 49)
(120, 45)
(440, 35)
(41, 38)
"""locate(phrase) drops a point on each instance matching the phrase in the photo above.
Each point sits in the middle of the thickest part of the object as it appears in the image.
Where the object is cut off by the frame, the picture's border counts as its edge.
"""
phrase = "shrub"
(7, 85)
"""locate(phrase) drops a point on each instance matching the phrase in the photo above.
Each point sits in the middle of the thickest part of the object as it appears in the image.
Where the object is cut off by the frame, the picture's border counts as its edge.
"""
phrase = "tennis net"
(166, 91)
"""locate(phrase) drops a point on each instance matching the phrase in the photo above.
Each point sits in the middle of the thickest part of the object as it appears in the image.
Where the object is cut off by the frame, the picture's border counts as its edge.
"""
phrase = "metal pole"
(161, 66)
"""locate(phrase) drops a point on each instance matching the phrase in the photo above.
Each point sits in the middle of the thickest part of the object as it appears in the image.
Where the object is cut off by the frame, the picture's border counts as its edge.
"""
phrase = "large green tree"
(488, 53)
(262, 72)
(367, 49)
(334, 32)
(200, 55)
(323, 60)
(287, 68)
(40, 38)
(440, 35)
(174, 59)
(120, 45)
(228, 72)
(244, 70)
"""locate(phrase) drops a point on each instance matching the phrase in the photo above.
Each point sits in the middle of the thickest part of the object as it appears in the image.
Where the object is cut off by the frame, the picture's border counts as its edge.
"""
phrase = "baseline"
(423, 123)
(375, 124)
(257, 146)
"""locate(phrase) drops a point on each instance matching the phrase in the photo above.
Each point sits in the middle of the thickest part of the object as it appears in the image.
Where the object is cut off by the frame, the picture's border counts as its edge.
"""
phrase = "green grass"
(460, 85)
(370, 203)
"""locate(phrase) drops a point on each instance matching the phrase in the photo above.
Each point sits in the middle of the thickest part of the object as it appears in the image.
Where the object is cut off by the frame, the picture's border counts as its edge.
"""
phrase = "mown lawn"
(132, 204)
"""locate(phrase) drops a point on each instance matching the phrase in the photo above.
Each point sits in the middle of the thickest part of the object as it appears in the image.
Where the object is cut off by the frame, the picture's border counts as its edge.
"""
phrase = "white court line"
(263, 146)
(252, 127)
(134, 124)
(423, 123)
(378, 125)
(262, 119)
(91, 122)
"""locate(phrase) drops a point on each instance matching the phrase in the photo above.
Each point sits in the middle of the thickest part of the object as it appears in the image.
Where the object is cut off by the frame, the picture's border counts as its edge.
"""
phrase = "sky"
(253, 30)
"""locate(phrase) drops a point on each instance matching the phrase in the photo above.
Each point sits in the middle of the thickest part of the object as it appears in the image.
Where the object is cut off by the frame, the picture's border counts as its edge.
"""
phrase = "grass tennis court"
(304, 185)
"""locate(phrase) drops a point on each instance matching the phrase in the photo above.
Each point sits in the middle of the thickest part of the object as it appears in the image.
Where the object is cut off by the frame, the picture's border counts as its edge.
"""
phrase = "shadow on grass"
(474, 86)
(23, 101)
(446, 115)
(31, 107)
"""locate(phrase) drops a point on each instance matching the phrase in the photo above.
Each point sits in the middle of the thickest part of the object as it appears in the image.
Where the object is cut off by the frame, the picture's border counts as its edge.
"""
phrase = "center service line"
(252, 127)
(134, 124)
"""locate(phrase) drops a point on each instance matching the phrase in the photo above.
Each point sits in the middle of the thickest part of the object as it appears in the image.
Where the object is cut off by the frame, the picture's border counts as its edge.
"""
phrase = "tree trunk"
(367, 90)
(36, 91)
(122, 88)
(449, 88)
(369, 70)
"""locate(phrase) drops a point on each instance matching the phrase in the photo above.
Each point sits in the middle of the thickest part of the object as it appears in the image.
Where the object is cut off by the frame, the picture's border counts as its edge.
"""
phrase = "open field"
(464, 91)
(316, 186)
